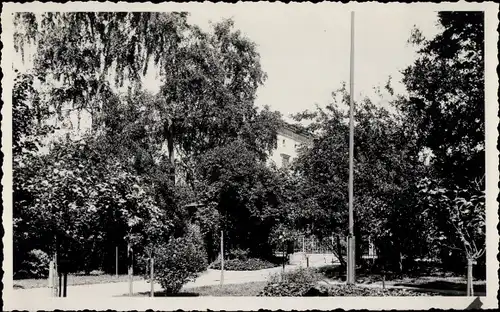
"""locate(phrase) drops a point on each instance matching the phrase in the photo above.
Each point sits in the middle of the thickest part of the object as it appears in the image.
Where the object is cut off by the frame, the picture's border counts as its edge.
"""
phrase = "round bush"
(179, 261)
(36, 265)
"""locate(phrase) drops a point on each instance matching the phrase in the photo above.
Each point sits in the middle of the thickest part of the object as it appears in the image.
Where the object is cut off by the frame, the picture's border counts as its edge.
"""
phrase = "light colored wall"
(286, 144)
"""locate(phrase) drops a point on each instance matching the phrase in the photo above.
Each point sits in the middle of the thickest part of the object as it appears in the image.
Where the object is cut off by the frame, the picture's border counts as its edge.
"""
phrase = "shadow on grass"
(444, 285)
(164, 294)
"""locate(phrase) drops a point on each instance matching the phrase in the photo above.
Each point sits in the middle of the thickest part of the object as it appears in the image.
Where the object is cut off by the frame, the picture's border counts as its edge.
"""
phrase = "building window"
(283, 143)
(285, 160)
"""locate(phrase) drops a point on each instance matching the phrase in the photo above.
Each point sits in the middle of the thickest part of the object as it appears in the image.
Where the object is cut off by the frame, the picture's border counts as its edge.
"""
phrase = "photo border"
(255, 303)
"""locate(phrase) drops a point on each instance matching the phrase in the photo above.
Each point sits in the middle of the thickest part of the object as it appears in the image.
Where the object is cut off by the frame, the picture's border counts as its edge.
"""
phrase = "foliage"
(238, 254)
(446, 102)
(80, 199)
(179, 261)
(463, 213)
(118, 183)
(243, 190)
(387, 168)
(446, 105)
(250, 264)
(209, 79)
(294, 283)
(349, 290)
(36, 265)
(75, 52)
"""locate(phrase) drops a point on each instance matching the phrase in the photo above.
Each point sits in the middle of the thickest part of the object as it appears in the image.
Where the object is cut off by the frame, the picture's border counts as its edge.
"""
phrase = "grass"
(75, 280)
(250, 289)
(454, 284)
(438, 281)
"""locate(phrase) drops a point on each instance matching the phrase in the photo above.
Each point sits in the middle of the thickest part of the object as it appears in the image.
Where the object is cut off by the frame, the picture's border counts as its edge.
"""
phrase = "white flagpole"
(351, 267)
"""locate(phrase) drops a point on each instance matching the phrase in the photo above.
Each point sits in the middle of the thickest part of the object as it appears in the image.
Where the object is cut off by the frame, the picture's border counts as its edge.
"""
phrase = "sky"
(306, 53)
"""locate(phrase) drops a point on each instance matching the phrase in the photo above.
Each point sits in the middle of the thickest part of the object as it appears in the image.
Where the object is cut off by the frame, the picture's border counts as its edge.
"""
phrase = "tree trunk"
(400, 261)
(470, 285)
(169, 136)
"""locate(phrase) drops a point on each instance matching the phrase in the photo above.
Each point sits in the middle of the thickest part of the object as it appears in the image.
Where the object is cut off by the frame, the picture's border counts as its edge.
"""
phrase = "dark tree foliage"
(446, 87)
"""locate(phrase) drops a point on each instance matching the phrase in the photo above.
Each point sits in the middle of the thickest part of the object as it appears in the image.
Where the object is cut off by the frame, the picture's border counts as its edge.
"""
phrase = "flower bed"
(250, 264)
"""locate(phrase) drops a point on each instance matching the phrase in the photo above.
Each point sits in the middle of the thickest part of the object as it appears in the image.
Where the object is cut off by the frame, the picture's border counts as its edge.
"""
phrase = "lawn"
(450, 285)
(75, 280)
(251, 289)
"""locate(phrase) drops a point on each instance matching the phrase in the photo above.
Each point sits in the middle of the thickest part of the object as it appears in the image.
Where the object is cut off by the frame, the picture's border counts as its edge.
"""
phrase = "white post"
(351, 241)
(54, 277)
(221, 257)
(304, 244)
(152, 275)
(51, 278)
(130, 269)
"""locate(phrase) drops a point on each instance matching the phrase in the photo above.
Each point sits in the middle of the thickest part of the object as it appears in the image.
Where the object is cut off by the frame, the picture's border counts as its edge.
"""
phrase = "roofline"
(293, 128)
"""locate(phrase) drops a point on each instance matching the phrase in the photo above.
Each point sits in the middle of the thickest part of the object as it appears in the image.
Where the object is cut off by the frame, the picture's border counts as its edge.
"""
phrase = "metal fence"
(313, 245)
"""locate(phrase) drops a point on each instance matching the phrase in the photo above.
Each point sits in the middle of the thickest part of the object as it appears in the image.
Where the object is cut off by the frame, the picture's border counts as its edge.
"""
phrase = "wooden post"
(130, 268)
(60, 284)
(65, 284)
(51, 277)
(470, 285)
(221, 257)
(54, 275)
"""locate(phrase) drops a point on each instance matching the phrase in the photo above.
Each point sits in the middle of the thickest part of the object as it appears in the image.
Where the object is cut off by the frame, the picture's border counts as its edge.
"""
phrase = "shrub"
(180, 261)
(349, 290)
(239, 254)
(36, 265)
(251, 264)
(295, 283)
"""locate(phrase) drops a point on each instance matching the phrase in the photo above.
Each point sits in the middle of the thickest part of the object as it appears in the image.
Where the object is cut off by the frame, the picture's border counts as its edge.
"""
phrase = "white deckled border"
(235, 303)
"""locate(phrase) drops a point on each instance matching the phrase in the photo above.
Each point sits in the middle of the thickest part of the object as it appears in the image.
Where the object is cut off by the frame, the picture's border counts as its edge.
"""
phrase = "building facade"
(290, 139)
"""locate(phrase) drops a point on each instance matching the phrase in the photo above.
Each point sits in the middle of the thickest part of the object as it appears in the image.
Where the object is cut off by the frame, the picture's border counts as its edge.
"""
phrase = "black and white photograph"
(249, 155)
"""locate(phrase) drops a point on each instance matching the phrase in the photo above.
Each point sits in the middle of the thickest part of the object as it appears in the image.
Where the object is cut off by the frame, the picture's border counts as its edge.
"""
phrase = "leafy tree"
(75, 52)
(209, 79)
(386, 170)
(206, 100)
(446, 103)
(83, 200)
(244, 191)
